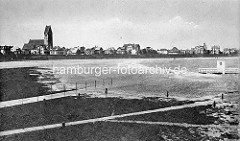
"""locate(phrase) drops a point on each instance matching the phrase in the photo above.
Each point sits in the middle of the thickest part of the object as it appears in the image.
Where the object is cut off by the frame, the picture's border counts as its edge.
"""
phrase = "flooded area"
(215, 120)
(188, 85)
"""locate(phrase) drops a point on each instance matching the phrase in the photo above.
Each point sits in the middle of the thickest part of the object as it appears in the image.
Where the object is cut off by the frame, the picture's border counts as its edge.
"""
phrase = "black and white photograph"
(119, 70)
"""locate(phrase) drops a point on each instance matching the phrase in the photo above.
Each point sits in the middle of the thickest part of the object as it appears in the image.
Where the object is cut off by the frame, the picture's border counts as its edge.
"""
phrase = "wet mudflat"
(29, 82)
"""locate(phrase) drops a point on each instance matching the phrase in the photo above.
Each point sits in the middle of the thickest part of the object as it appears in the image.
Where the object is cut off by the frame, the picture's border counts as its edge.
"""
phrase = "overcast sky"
(111, 23)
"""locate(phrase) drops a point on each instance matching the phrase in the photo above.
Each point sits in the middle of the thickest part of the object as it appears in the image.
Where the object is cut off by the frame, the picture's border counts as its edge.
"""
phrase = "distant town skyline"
(112, 23)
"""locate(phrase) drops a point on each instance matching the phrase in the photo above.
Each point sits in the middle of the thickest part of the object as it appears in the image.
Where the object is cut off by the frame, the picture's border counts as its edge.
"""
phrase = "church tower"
(48, 37)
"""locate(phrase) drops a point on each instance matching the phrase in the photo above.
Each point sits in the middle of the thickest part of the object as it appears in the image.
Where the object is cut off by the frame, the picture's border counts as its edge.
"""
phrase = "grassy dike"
(105, 131)
(72, 109)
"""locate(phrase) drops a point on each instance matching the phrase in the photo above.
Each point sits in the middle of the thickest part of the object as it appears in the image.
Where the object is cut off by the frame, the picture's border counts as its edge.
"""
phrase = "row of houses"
(230, 51)
(201, 49)
(132, 49)
(37, 47)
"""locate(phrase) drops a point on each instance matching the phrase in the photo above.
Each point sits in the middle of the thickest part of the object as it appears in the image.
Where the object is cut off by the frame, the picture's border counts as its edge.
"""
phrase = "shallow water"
(188, 85)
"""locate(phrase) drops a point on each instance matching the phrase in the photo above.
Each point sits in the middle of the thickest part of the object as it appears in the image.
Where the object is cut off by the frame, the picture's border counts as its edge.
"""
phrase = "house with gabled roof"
(215, 49)
(73, 51)
(201, 49)
(89, 51)
(98, 50)
(57, 50)
(162, 51)
(110, 50)
(34, 46)
(174, 50)
(132, 48)
(121, 50)
(81, 51)
(6, 50)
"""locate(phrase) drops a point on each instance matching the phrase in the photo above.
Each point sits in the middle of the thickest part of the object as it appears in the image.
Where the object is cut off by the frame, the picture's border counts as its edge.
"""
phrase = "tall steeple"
(48, 37)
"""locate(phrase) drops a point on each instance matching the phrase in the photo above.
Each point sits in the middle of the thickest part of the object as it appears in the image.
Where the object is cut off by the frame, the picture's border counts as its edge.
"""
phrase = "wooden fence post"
(214, 104)
(64, 89)
(106, 91)
(76, 88)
